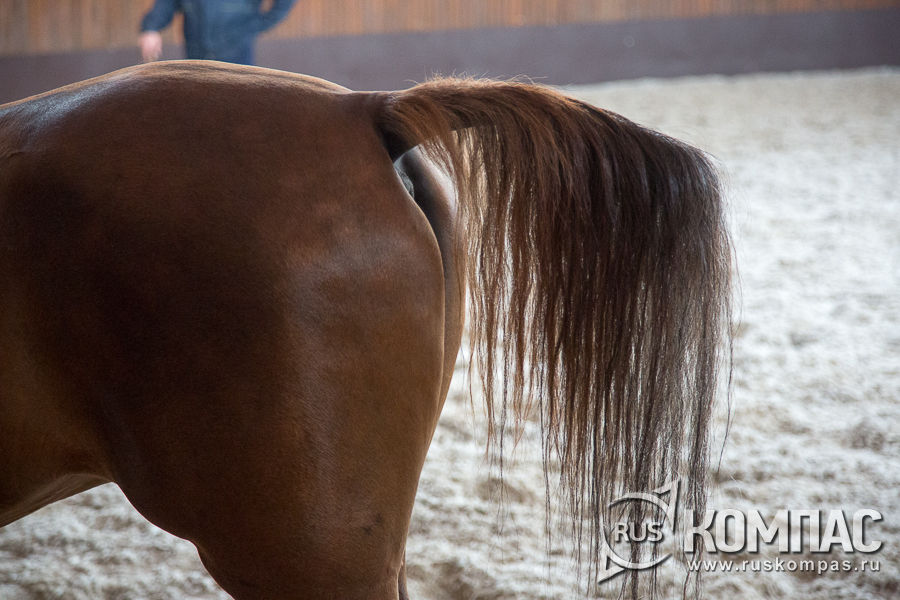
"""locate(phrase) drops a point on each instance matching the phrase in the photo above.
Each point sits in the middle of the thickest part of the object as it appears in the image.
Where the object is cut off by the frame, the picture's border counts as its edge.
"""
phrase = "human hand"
(151, 45)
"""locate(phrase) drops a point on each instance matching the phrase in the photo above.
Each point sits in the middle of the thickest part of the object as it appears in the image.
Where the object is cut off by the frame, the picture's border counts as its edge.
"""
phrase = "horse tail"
(598, 277)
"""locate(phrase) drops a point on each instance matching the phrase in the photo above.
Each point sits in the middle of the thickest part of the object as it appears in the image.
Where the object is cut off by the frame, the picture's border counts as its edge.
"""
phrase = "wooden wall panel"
(45, 26)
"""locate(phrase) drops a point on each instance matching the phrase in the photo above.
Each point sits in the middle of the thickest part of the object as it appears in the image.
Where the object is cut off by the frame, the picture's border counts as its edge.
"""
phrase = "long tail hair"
(599, 267)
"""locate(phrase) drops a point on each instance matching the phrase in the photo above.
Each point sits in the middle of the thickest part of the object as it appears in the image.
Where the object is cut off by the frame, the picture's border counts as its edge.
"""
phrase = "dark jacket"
(218, 29)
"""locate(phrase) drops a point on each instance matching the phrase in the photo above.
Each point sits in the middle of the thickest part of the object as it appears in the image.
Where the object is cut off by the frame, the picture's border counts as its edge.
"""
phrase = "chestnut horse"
(238, 294)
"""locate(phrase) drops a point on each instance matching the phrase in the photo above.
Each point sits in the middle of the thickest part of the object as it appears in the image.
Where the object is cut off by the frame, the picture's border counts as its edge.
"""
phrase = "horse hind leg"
(295, 472)
(269, 520)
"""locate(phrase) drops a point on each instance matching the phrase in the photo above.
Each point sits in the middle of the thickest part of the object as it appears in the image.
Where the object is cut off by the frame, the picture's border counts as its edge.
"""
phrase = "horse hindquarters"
(307, 491)
(377, 364)
(253, 323)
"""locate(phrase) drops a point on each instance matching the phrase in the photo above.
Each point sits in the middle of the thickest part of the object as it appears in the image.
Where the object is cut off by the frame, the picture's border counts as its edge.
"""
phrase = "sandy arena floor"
(811, 163)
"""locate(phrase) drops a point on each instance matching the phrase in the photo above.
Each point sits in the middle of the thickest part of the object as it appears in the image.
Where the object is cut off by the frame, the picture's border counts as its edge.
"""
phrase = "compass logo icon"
(665, 499)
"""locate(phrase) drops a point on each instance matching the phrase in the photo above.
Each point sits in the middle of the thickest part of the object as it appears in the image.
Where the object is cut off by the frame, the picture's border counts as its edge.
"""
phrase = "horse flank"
(598, 277)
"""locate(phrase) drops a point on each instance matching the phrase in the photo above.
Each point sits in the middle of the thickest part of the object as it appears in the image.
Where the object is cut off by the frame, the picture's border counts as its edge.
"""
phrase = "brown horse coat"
(219, 293)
